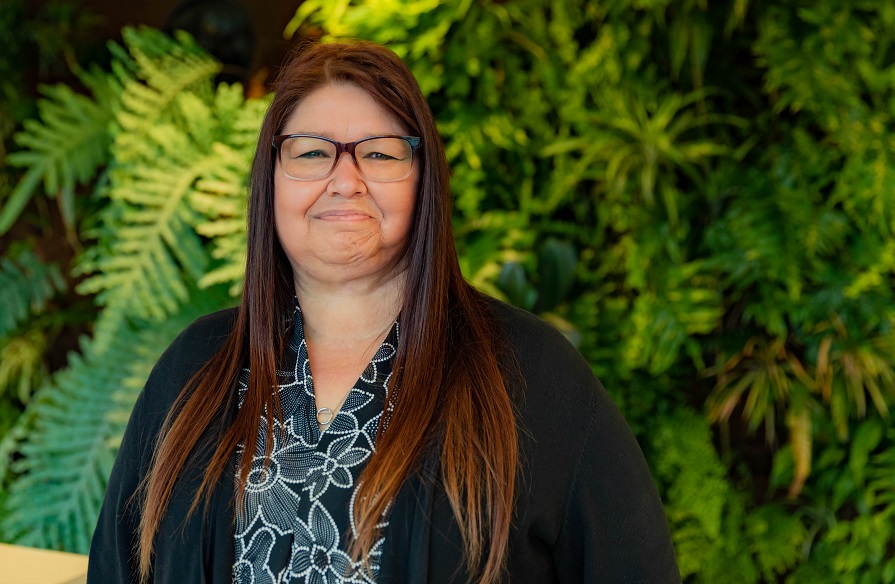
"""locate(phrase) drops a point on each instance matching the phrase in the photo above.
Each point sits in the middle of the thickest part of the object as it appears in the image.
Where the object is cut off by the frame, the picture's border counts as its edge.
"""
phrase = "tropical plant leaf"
(22, 363)
(776, 538)
(165, 68)
(220, 195)
(26, 285)
(705, 513)
(68, 436)
(191, 160)
(156, 249)
(66, 147)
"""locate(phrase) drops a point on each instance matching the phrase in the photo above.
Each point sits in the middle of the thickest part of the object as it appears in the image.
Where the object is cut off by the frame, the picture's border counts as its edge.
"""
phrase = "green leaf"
(865, 439)
(556, 272)
(26, 286)
(513, 282)
(20, 196)
(63, 440)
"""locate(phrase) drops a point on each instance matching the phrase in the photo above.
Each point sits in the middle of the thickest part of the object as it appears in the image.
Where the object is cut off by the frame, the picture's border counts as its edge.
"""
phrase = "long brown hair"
(448, 389)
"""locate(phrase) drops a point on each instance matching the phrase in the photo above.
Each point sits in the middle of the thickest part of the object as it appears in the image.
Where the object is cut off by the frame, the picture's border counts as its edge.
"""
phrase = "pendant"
(324, 416)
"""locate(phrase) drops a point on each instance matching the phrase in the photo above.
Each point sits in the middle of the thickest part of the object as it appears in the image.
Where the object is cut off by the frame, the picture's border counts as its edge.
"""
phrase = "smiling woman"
(366, 415)
(344, 226)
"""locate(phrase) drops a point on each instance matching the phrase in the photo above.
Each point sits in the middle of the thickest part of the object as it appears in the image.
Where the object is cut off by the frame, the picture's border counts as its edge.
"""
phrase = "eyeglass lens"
(379, 159)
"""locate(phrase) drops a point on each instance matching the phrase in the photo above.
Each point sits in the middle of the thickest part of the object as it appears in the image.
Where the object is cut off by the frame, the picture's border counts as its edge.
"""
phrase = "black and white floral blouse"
(295, 521)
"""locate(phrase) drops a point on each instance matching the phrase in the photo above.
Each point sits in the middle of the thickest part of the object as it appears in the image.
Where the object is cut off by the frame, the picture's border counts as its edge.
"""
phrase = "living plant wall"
(701, 195)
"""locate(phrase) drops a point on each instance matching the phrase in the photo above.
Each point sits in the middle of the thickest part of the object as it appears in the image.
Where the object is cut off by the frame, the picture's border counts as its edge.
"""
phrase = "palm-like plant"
(176, 151)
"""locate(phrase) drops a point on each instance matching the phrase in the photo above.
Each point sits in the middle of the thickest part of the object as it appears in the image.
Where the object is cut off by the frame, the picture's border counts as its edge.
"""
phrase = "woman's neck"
(349, 313)
(343, 326)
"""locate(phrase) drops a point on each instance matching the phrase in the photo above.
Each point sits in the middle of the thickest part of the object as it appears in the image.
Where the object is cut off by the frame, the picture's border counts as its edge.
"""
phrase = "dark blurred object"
(224, 28)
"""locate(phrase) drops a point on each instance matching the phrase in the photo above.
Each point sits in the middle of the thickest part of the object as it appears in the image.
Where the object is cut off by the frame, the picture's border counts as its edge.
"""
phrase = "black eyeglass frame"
(348, 147)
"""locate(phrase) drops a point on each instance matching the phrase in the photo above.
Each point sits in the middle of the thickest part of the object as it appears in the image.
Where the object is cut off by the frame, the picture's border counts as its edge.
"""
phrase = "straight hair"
(447, 395)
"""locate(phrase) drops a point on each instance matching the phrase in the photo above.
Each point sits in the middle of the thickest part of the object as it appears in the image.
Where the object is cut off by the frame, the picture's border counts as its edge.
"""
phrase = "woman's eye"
(379, 156)
(312, 154)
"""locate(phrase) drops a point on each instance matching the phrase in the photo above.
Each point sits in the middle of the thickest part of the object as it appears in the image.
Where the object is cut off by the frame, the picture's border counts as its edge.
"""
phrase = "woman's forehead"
(339, 110)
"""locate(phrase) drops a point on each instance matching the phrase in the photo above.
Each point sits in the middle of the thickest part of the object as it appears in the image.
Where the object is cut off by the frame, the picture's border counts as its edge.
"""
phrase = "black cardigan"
(586, 510)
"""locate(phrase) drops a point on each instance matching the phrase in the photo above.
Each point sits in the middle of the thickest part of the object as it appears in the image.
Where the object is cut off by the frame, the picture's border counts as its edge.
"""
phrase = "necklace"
(326, 415)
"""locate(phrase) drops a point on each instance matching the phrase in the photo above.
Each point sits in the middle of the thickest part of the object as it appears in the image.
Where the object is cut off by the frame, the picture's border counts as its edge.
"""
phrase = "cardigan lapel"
(405, 556)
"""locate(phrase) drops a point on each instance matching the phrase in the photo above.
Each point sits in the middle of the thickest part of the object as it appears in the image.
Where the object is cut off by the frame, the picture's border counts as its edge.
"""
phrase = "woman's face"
(344, 226)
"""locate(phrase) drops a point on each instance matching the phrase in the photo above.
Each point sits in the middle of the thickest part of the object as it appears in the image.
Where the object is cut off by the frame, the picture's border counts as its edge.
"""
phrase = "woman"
(365, 415)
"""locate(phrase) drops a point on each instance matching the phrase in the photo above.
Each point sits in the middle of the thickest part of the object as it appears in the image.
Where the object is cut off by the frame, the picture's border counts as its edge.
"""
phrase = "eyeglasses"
(377, 158)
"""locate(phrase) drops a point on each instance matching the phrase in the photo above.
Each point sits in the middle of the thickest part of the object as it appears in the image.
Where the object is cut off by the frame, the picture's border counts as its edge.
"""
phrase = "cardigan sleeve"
(614, 528)
(587, 507)
(113, 549)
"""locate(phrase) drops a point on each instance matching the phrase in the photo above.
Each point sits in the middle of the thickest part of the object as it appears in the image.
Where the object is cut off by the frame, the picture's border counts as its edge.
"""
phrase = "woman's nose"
(345, 179)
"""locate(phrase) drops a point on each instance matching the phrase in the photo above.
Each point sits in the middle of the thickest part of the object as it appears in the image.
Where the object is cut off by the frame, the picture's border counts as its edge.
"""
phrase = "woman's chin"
(348, 262)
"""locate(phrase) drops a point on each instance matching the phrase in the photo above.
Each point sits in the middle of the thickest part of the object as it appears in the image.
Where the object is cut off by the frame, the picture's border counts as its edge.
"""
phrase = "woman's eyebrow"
(316, 133)
(331, 136)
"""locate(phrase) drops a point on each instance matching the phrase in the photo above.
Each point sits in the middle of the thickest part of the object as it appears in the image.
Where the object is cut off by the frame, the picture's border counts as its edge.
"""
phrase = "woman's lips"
(343, 215)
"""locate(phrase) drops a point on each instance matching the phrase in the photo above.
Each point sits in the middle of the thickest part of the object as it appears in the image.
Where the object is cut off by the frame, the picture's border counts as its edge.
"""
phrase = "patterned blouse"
(295, 523)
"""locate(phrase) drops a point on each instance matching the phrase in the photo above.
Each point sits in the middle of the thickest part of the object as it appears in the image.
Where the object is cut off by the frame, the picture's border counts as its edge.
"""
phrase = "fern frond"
(180, 182)
(68, 434)
(703, 510)
(156, 250)
(683, 303)
(65, 147)
(151, 250)
(777, 538)
(26, 285)
(22, 363)
(166, 69)
(221, 198)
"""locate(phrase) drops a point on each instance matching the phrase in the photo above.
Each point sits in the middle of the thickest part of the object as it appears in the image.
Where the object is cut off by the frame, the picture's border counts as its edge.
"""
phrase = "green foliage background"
(700, 195)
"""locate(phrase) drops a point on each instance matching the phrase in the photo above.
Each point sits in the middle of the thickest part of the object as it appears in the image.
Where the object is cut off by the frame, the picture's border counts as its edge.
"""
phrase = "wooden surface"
(21, 565)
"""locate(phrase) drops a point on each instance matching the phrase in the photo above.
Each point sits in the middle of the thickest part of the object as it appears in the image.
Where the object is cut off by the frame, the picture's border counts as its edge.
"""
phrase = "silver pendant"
(324, 416)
